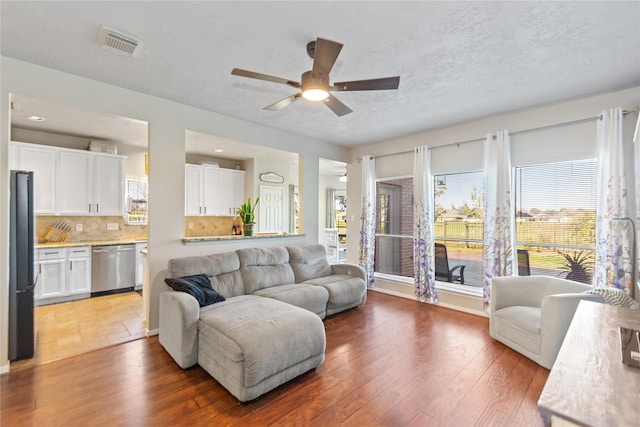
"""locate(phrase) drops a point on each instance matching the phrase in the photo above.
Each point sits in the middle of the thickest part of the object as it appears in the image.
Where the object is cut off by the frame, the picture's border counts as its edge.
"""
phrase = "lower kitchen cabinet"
(79, 273)
(51, 271)
(64, 274)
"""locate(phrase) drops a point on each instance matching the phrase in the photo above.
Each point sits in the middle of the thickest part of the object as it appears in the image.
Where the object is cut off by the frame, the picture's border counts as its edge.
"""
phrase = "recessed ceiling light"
(219, 150)
(35, 118)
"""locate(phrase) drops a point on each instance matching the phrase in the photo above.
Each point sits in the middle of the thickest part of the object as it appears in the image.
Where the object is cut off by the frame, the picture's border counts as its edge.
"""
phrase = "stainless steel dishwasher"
(113, 269)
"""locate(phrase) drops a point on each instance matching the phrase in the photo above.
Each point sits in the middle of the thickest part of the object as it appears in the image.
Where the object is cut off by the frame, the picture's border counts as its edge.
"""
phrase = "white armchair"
(531, 314)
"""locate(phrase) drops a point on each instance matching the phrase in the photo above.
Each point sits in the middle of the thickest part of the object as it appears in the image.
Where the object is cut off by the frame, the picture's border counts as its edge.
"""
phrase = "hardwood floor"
(75, 327)
(391, 362)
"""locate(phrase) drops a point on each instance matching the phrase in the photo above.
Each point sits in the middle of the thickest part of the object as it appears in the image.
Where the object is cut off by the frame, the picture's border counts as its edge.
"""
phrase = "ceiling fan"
(315, 83)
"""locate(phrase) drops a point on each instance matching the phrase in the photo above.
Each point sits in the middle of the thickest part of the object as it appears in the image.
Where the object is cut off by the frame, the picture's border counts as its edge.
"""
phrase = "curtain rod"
(467, 141)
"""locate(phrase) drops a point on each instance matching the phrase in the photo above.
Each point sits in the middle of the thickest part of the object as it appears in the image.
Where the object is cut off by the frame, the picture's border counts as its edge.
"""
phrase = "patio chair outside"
(442, 270)
(523, 263)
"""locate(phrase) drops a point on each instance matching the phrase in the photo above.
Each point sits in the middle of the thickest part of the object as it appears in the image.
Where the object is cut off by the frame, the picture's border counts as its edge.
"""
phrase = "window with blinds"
(556, 219)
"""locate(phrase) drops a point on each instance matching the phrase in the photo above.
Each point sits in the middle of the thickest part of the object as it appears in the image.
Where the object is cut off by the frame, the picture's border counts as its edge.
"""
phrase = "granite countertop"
(207, 239)
(89, 243)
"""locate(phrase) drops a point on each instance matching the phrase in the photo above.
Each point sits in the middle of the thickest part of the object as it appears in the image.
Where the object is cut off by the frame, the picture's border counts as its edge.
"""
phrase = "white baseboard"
(439, 304)
(152, 332)
(4, 369)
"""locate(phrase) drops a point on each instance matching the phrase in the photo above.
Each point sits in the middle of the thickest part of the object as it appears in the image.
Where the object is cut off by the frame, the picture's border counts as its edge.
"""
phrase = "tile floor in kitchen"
(76, 327)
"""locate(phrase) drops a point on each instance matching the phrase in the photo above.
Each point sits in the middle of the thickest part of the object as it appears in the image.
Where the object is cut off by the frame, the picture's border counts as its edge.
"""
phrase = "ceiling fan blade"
(336, 106)
(325, 56)
(253, 75)
(371, 84)
(283, 102)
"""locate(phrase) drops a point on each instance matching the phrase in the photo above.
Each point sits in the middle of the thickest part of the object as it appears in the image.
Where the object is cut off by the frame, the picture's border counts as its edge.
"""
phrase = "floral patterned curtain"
(368, 217)
(614, 228)
(423, 216)
(499, 227)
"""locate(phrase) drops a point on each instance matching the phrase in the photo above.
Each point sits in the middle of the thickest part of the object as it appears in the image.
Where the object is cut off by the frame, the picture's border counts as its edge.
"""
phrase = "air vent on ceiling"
(118, 43)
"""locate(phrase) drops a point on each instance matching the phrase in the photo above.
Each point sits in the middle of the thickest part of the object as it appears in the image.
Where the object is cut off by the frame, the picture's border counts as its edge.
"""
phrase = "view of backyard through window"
(555, 222)
(556, 218)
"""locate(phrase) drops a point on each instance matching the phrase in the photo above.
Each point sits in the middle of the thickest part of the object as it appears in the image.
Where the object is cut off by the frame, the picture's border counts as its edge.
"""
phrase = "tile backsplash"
(201, 226)
(94, 228)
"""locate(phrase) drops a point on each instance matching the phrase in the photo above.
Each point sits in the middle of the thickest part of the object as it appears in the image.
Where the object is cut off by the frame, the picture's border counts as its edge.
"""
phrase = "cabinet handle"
(70, 265)
(89, 207)
(205, 210)
(97, 207)
(51, 253)
(39, 268)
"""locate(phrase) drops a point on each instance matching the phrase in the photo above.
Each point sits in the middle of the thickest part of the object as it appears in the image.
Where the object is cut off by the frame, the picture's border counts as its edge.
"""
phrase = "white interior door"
(271, 208)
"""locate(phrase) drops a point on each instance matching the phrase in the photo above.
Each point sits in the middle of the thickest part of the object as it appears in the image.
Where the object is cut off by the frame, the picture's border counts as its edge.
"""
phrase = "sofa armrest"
(354, 270)
(179, 316)
(556, 315)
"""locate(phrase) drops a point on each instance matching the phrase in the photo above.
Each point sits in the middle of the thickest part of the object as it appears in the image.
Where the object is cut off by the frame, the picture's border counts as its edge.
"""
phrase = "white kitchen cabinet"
(213, 191)
(231, 191)
(72, 182)
(41, 161)
(108, 185)
(64, 274)
(192, 190)
(79, 271)
(75, 183)
(141, 264)
(210, 188)
(51, 269)
(237, 190)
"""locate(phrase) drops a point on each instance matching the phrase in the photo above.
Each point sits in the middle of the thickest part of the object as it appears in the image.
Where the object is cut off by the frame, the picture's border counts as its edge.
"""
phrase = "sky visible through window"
(552, 186)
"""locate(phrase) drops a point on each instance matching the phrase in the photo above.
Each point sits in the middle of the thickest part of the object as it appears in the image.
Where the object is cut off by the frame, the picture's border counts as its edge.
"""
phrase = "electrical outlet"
(190, 226)
(112, 226)
(78, 227)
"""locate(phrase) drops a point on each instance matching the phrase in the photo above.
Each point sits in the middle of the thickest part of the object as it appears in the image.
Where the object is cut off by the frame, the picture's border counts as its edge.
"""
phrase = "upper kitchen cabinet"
(212, 191)
(73, 182)
(108, 185)
(75, 176)
(41, 161)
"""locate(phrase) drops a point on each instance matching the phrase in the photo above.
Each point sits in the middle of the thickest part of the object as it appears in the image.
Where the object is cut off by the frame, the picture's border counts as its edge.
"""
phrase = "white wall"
(550, 143)
(168, 122)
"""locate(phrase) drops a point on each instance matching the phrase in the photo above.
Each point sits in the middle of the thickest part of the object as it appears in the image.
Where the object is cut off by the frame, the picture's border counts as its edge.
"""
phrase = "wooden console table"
(588, 384)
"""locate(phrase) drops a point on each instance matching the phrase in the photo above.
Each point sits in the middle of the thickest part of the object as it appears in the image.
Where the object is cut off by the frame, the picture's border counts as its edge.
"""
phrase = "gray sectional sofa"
(269, 328)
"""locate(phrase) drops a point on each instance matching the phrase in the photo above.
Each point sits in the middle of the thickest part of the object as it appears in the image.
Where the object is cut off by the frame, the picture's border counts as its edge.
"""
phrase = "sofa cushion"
(309, 297)
(222, 270)
(308, 262)
(264, 267)
(343, 290)
(197, 286)
(257, 338)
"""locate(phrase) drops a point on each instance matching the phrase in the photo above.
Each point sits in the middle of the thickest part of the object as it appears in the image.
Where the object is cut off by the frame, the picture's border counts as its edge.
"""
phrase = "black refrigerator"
(21, 269)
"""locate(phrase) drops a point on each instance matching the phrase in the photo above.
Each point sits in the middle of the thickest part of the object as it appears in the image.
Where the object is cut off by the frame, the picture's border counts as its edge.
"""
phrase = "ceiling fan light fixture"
(315, 87)
(315, 94)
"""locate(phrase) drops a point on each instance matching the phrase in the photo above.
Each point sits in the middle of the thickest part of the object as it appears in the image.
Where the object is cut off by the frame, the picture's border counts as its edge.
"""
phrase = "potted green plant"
(246, 212)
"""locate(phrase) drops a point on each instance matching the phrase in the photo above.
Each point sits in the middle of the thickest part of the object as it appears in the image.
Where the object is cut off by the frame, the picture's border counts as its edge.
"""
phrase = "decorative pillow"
(614, 296)
(198, 286)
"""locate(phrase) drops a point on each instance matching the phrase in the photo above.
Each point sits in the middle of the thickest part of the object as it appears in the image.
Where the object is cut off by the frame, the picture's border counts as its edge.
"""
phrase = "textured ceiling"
(458, 61)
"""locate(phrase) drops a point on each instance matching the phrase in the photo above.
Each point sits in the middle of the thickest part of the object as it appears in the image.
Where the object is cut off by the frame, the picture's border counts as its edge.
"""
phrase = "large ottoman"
(254, 344)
